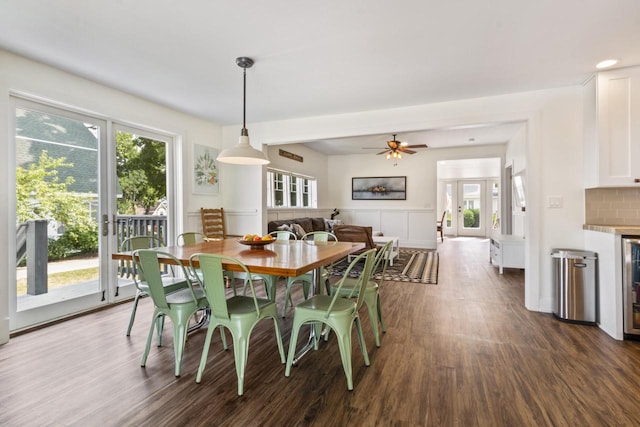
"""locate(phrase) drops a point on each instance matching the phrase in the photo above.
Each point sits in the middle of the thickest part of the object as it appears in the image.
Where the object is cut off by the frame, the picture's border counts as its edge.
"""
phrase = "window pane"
(278, 189)
(293, 191)
(305, 193)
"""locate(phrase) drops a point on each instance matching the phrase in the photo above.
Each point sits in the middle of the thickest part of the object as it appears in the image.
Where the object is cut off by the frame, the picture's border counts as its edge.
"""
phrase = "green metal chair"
(239, 313)
(338, 314)
(130, 268)
(179, 306)
(193, 237)
(189, 238)
(307, 278)
(371, 291)
(270, 281)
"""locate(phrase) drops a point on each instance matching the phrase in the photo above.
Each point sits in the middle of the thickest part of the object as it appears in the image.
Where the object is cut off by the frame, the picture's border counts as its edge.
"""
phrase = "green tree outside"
(141, 166)
(40, 194)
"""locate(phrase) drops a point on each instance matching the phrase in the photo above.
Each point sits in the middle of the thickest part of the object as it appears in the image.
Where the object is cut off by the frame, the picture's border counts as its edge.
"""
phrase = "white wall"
(20, 75)
(553, 156)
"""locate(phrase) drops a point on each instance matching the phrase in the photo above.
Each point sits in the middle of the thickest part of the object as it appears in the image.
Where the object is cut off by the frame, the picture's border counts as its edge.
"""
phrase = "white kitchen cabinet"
(506, 251)
(612, 129)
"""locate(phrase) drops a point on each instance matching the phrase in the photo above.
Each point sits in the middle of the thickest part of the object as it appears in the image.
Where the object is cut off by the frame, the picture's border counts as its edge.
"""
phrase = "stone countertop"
(614, 229)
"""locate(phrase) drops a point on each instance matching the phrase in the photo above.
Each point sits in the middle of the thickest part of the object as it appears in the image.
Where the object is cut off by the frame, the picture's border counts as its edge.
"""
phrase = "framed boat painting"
(379, 188)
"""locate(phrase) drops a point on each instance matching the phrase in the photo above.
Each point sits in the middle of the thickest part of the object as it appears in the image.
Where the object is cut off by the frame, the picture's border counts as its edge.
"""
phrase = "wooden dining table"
(280, 258)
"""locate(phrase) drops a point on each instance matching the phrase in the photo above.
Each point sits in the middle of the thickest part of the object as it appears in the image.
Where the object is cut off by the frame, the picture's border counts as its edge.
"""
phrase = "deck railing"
(141, 225)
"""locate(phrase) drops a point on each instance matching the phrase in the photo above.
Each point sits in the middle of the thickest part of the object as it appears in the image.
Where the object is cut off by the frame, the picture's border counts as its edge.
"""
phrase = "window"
(290, 190)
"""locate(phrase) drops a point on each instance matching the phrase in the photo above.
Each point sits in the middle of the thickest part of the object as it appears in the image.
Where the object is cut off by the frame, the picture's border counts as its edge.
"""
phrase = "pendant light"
(243, 153)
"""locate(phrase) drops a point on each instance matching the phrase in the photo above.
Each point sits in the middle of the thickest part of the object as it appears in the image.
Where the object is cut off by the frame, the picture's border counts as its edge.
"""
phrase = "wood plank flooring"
(464, 352)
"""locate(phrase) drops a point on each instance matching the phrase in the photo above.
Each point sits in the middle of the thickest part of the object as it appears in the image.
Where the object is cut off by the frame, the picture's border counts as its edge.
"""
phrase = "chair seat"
(241, 304)
(350, 283)
(183, 296)
(322, 302)
(170, 284)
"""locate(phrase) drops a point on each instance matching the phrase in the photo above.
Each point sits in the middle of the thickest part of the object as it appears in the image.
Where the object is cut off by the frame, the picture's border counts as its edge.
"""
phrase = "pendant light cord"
(244, 131)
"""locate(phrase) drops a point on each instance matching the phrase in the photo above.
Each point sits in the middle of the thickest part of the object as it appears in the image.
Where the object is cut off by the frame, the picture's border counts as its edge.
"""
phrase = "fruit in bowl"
(255, 241)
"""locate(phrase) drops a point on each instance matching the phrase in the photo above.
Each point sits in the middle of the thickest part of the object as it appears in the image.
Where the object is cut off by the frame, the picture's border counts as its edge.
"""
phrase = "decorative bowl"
(256, 244)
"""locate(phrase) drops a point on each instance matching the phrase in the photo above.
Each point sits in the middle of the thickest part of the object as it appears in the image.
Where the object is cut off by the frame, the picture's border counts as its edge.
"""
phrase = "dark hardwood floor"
(464, 352)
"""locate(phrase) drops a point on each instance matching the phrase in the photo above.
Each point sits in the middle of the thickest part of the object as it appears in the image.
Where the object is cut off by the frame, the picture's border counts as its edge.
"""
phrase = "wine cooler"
(631, 280)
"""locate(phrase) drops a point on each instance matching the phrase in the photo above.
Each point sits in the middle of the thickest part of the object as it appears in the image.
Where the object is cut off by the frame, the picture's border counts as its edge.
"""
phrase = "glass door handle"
(105, 225)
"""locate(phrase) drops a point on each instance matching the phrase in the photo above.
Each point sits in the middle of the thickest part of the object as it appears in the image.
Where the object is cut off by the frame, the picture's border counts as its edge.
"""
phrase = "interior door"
(60, 159)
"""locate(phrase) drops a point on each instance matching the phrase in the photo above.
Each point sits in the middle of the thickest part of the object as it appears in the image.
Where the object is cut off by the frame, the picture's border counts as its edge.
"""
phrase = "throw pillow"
(298, 230)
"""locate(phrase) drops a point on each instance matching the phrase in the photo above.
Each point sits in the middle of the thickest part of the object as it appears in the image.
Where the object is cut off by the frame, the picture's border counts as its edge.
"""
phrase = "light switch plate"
(555, 202)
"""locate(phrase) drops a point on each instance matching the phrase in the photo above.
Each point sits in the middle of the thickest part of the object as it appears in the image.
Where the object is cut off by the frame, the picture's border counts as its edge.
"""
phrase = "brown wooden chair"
(440, 226)
(213, 226)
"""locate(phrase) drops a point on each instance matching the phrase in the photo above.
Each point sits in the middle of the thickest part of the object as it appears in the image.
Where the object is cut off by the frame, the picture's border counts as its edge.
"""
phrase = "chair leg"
(154, 324)
(205, 351)
(279, 338)
(379, 304)
(363, 345)
(293, 341)
(370, 298)
(179, 340)
(133, 312)
(160, 328)
(344, 342)
(241, 353)
(287, 298)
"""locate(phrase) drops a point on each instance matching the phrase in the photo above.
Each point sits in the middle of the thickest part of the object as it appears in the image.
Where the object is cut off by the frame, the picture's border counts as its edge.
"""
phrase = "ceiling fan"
(396, 148)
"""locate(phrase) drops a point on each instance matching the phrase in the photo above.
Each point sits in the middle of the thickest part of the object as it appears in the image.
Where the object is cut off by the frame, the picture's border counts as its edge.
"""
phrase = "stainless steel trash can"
(575, 279)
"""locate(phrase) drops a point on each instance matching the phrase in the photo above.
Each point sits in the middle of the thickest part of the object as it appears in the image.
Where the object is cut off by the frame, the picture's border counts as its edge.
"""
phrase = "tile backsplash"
(612, 206)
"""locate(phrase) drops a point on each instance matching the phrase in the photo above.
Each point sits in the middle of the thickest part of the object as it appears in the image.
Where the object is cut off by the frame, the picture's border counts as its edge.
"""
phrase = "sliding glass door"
(78, 195)
(59, 162)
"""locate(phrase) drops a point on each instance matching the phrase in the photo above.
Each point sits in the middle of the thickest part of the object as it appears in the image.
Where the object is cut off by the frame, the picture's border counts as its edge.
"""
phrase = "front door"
(471, 208)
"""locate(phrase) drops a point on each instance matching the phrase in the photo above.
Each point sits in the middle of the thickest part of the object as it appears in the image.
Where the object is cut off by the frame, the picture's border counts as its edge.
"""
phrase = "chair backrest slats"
(213, 225)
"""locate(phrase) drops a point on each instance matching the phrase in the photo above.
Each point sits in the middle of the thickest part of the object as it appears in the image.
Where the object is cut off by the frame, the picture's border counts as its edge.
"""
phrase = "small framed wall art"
(206, 173)
(379, 188)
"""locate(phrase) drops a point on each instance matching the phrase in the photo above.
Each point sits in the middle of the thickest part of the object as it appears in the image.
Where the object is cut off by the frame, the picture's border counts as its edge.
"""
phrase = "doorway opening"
(469, 194)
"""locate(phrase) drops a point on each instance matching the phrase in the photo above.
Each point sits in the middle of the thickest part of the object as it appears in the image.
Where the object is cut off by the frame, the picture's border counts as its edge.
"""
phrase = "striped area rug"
(412, 265)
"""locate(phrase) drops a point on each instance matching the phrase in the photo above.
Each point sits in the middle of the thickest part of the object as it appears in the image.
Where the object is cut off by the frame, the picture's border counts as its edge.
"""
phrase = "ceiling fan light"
(399, 155)
(388, 156)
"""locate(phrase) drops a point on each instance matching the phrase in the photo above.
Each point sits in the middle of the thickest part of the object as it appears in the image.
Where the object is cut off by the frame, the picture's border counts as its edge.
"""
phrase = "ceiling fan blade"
(409, 151)
(382, 152)
(416, 146)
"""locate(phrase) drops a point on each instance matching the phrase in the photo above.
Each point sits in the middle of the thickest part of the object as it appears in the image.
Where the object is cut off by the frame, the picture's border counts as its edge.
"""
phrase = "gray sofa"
(307, 224)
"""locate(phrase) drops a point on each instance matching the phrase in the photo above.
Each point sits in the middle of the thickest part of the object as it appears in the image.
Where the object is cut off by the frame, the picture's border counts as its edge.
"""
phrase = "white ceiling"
(318, 58)
(479, 134)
